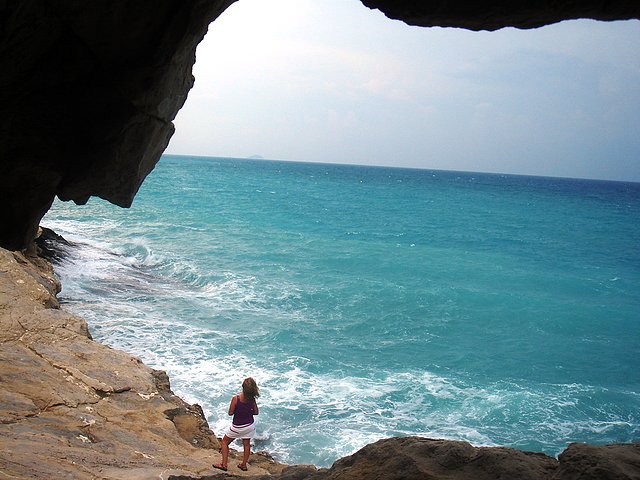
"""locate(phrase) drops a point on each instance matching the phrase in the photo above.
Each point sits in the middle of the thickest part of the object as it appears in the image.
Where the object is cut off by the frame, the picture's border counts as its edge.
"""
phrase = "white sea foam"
(298, 404)
(305, 416)
(351, 336)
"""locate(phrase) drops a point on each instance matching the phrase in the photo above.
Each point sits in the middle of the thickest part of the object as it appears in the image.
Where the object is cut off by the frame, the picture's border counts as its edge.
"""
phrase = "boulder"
(610, 462)
(417, 458)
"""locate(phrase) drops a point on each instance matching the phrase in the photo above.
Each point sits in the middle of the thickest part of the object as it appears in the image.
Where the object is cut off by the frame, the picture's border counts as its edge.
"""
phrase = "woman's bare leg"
(224, 449)
(246, 451)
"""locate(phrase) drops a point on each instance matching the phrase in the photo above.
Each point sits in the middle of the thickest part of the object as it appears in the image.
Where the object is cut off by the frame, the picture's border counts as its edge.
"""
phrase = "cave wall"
(89, 90)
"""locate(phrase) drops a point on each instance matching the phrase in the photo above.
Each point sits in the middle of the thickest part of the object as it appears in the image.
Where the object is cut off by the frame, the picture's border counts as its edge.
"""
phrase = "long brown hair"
(250, 389)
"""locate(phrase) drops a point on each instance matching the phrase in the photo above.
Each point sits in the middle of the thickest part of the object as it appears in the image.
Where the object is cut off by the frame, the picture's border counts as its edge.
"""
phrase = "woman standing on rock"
(243, 407)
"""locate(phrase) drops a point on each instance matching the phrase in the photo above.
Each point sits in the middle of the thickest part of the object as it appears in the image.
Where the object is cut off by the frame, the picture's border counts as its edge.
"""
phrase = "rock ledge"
(73, 408)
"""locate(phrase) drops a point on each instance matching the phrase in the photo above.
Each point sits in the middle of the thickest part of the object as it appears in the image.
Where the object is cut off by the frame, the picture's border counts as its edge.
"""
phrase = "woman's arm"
(232, 406)
(256, 411)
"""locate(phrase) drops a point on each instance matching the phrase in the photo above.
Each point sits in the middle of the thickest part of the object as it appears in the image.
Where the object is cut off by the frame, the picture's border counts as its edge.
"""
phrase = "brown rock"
(421, 458)
(73, 408)
(191, 426)
(415, 458)
(587, 462)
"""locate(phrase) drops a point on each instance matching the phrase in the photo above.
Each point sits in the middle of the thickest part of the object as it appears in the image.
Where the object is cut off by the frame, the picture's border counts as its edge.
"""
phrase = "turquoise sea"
(371, 302)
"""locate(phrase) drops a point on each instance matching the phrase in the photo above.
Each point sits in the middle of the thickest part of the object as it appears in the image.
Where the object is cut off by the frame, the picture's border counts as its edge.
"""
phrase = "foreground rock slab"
(73, 408)
(416, 458)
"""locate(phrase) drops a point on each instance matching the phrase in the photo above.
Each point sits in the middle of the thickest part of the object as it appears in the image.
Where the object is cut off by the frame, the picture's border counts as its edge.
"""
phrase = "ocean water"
(373, 302)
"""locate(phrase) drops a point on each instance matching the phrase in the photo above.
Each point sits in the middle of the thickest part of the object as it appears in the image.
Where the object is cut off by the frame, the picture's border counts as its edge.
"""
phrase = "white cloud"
(333, 81)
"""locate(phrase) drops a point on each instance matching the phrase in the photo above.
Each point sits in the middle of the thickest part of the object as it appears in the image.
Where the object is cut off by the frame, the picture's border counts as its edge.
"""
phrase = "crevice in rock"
(192, 425)
(80, 377)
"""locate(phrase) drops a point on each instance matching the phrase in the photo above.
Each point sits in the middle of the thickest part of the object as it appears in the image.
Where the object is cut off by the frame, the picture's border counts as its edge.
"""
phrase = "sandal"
(219, 466)
(242, 467)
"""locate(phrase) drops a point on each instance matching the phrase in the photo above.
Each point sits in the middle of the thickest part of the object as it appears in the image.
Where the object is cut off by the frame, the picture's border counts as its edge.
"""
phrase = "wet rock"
(50, 246)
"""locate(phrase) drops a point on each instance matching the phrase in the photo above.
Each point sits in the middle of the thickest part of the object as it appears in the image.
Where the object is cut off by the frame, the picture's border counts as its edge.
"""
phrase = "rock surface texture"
(89, 90)
(415, 458)
(73, 408)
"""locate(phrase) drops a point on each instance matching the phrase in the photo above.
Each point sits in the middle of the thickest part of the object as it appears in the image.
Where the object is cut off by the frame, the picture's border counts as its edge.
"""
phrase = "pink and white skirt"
(241, 431)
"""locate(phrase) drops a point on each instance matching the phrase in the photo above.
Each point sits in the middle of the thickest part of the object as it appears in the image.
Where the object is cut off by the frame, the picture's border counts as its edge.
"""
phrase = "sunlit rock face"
(89, 90)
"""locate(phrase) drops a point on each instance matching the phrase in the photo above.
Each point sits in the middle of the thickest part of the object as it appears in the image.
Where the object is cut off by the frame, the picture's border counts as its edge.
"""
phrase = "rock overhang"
(89, 91)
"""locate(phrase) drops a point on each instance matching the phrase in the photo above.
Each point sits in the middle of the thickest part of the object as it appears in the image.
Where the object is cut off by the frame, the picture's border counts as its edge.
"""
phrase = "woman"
(243, 407)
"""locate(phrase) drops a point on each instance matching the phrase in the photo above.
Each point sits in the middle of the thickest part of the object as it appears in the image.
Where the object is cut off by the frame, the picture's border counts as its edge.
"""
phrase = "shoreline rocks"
(416, 458)
(73, 408)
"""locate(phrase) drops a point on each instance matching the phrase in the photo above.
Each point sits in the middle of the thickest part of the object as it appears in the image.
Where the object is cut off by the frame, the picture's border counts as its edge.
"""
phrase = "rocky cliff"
(73, 408)
(89, 90)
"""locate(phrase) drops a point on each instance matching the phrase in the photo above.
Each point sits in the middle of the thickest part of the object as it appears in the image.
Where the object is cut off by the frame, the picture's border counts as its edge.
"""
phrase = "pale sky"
(331, 81)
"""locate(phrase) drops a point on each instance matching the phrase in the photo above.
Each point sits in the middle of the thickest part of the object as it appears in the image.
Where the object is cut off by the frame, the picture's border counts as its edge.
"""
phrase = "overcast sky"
(332, 81)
